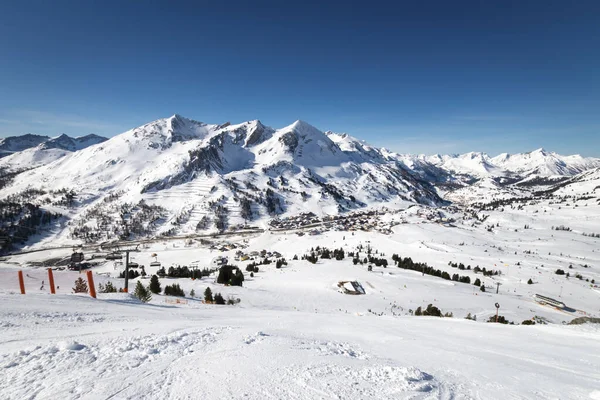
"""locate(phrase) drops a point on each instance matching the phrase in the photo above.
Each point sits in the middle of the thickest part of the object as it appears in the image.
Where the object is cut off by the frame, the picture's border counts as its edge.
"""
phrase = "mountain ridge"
(180, 176)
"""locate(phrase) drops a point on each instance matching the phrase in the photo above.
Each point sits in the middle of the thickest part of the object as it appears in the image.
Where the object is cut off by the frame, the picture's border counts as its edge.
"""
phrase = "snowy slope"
(584, 184)
(295, 336)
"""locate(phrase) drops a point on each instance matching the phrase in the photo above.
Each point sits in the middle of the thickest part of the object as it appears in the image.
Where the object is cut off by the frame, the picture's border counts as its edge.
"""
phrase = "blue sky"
(422, 77)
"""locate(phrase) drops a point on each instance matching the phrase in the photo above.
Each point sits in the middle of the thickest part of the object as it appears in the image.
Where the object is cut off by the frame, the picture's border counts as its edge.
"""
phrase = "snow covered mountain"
(543, 163)
(66, 142)
(13, 144)
(176, 175)
(30, 151)
(539, 163)
(179, 176)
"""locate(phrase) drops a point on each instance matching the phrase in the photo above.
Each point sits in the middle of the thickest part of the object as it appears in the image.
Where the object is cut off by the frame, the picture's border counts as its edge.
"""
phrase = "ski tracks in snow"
(212, 363)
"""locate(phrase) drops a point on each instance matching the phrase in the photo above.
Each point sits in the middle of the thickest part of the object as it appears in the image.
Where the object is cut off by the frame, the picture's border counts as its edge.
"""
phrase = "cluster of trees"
(184, 272)
(486, 272)
(460, 266)
(323, 253)
(230, 275)
(408, 263)
(67, 197)
(432, 311)
(561, 228)
(272, 202)
(174, 290)
(124, 221)
(204, 223)
(471, 317)
(108, 288)
(217, 298)
(378, 261)
(252, 267)
(133, 273)
(500, 203)
(594, 235)
(221, 213)
(338, 254)
(255, 264)
(246, 209)
(19, 221)
(501, 320)
(311, 258)
(6, 176)
(281, 262)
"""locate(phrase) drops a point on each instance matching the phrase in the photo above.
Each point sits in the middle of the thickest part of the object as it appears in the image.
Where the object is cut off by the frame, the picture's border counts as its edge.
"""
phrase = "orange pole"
(21, 282)
(51, 280)
(90, 277)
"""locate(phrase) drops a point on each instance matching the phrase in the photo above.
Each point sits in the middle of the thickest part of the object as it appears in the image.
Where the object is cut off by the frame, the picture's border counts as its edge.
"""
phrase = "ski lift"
(155, 263)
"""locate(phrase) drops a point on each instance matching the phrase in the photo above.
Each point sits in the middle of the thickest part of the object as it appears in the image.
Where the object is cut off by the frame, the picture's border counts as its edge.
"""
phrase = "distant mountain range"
(14, 144)
(20, 152)
(197, 176)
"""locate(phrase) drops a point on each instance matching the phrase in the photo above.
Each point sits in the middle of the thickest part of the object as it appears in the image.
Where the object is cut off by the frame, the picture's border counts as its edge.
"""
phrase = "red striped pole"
(51, 279)
(21, 282)
(90, 278)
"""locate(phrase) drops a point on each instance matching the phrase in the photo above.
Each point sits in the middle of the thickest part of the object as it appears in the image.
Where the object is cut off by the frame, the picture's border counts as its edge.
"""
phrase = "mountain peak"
(301, 126)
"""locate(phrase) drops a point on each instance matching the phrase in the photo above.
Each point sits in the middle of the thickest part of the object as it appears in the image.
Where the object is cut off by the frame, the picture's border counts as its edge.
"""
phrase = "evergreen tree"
(192, 293)
(142, 293)
(155, 285)
(208, 297)
(219, 299)
(80, 286)
(530, 282)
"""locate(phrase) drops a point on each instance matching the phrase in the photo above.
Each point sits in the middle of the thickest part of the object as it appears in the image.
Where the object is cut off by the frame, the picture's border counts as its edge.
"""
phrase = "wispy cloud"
(484, 118)
(71, 120)
(19, 121)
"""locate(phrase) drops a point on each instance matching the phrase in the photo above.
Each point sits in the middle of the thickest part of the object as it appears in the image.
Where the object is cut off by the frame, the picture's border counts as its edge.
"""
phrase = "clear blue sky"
(426, 77)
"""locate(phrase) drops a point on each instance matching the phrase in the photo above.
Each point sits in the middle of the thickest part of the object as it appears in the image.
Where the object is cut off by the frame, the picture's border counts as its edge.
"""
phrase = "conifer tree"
(80, 286)
(154, 285)
(208, 297)
(142, 293)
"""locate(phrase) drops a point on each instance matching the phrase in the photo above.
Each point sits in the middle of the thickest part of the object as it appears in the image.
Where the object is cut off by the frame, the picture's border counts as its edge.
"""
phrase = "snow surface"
(295, 336)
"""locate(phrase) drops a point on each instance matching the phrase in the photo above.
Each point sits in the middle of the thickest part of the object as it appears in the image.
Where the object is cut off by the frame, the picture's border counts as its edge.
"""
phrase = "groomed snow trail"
(116, 348)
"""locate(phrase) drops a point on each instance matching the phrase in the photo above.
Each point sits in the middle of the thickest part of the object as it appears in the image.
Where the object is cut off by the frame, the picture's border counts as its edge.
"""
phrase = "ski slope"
(295, 336)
